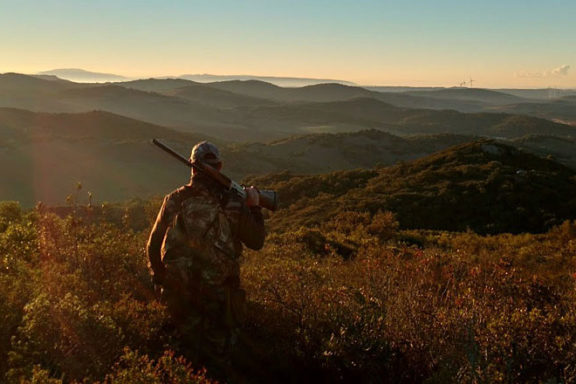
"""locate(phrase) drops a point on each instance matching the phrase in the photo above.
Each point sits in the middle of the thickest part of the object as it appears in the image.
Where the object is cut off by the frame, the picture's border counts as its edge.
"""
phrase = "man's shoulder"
(175, 194)
(173, 200)
(193, 190)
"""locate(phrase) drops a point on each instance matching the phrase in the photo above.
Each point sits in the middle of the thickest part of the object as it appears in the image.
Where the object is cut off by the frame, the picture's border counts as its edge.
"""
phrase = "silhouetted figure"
(194, 251)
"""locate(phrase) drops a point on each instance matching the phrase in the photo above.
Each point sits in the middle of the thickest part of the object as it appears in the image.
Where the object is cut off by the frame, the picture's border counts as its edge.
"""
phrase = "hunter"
(194, 250)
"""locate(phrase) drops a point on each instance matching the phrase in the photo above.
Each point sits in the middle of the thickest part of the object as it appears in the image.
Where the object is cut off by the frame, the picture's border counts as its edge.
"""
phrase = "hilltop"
(484, 186)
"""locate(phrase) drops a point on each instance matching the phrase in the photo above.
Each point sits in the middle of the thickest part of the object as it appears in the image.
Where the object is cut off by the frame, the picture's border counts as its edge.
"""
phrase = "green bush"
(136, 368)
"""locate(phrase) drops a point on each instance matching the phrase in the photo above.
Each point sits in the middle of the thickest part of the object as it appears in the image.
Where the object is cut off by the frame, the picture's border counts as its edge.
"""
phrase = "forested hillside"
(482, 186)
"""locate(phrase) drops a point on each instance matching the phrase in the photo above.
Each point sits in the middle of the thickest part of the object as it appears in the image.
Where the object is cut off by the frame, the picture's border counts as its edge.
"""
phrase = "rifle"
(268, 199)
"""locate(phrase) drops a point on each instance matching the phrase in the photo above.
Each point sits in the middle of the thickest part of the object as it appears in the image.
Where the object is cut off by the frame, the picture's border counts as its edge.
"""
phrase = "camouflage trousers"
(207, 316)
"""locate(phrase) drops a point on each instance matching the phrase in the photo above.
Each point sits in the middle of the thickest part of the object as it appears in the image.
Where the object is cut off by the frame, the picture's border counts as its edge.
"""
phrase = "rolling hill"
(485, 186)
(252, 88)
(155, 85)
(19, 84)
(485, 96)
(539, 94)
(340, 92)
(45, 155)
(33, 93)
(562, 109)
(280, 81)
(194, 92)
(215, 97)
(460, 99)
(560, 149)
(147, 106)
(43, 95)
(362, 113)
(321, 153)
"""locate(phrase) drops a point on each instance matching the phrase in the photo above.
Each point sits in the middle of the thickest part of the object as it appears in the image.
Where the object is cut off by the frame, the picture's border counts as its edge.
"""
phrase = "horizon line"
(350, 83)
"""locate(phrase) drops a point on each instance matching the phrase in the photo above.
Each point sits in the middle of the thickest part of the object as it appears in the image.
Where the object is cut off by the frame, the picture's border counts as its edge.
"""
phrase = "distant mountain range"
(83, 76)
(540, 94)
(546, 103)
(258, 111)
(280, 81)
(535, 94)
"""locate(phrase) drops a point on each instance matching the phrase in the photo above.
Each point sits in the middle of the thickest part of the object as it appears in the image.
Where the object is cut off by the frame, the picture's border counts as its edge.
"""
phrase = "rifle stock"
(268, 199)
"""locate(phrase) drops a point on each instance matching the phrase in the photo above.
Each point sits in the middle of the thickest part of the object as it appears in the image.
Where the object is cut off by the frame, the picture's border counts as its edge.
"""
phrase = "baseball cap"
(205, 152)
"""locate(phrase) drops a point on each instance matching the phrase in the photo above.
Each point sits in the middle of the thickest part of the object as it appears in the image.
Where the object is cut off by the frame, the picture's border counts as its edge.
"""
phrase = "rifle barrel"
(174, 153)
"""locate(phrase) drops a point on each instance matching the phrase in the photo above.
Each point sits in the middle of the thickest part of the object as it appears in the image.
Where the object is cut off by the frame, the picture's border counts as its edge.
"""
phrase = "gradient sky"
(499, 43)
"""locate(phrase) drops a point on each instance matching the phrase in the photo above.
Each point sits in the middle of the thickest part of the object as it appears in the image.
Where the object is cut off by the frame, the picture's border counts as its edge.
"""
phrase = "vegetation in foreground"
(352, 299)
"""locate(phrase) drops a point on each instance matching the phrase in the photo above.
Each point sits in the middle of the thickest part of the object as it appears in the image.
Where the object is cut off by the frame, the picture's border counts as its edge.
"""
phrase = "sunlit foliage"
(354, 298)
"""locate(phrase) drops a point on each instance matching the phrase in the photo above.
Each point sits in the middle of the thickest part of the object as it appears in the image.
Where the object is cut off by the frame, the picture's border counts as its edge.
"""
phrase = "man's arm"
(154, 246)
(251, 229)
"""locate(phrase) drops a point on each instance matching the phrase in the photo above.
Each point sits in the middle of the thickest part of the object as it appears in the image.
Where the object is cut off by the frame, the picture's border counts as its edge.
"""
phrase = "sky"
(496, 43)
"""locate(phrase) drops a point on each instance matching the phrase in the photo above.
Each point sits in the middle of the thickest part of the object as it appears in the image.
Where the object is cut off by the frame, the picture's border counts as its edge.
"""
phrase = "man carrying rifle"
(194, 251)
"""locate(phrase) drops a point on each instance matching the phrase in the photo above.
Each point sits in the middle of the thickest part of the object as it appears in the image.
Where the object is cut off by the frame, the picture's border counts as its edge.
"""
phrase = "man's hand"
(252, 197)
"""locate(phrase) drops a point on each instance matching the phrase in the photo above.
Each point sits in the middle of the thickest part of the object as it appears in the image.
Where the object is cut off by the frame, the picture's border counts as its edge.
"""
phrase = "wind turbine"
(471, 82)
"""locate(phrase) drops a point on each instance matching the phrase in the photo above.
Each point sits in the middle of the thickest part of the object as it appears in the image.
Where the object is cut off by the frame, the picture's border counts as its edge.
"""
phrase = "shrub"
(136, 368)
(351, 299)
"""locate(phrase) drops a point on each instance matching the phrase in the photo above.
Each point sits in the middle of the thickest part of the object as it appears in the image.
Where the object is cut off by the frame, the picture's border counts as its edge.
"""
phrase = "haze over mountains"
(83, 76)
(280, 81)
(258, 111)
(100, 133)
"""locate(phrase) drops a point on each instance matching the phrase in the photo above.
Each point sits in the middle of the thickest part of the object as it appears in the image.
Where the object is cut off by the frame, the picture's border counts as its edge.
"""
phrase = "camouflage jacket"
(203, 225)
